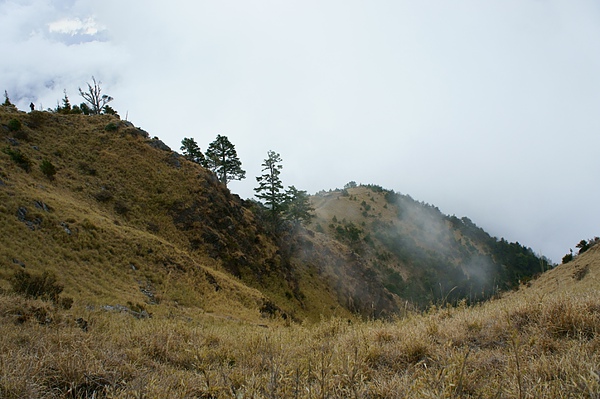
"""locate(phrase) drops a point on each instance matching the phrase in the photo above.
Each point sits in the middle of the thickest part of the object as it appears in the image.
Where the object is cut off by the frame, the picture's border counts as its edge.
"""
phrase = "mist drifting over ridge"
(418, 253)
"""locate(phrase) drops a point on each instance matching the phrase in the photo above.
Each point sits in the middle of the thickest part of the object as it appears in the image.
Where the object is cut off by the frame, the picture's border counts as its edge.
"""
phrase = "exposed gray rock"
(174, 160)
(115, 308)
(22, 216)
(65, 226)
(32, 225)
(140, 315)
(156, 143)
(21, 213)
(142, 132)
(149, 291)
(42, 205)
(120, 308)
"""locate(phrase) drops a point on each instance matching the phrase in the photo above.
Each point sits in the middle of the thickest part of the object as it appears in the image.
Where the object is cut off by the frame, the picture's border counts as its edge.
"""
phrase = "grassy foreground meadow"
(539, 342)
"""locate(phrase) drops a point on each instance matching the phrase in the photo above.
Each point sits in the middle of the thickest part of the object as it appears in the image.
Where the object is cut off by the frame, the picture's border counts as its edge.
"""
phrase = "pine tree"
(66, 107)
(7, 102)
(191, 151)
(222, 159)
(270, 188)
(297, 205)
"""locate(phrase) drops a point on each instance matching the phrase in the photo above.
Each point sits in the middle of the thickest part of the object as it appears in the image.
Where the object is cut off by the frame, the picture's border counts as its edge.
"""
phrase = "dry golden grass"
(202, 342)
(349, 207)
(509, 348)
(120, 200)
(529, 344)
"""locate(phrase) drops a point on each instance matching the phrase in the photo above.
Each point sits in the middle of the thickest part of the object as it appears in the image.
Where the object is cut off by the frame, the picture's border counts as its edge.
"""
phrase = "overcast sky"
(486, 109)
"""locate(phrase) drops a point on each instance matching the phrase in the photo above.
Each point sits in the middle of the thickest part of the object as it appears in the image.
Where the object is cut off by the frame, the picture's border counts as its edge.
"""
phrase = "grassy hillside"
(119, 216)
(416, 252)
(126, 221)
(541, 341)
(122, 219)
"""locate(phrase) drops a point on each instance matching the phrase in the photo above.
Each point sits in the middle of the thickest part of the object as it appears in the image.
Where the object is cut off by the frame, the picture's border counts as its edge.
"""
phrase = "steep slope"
(579, 276)
(416, 252)
(126, 220)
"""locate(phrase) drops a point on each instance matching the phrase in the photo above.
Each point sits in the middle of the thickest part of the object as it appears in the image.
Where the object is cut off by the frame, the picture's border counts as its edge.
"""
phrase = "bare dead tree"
(94, 97)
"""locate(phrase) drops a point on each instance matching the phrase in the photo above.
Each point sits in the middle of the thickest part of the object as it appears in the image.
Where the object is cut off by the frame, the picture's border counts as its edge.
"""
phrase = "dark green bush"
(85, 109)
(348, 232)
(111, 127)
(583, 246)
(567, 258)
(48, 169)
(375, 188)
(108, 110)
(42, 286)
(14, 125)
(391, 197)
(365, 206)
(19, 158)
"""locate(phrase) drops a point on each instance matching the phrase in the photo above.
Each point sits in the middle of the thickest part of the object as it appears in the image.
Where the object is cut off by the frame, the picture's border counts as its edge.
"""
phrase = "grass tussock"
(520, 349)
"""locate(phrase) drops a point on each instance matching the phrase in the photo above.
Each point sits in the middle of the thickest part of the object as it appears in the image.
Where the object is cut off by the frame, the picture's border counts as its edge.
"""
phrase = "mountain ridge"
(134, 217)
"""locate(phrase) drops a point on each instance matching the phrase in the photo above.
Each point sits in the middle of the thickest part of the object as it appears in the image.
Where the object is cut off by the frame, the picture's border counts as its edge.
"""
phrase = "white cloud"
(485, 109)
(75, 26)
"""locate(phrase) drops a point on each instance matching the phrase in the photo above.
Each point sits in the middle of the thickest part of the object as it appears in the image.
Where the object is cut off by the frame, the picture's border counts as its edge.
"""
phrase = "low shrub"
(21, 135)
(567, 258)
(103, 195)
(19, 158)
(111, 127)
(43, 286)
(65, 303)
(14, 125)
(48, 169)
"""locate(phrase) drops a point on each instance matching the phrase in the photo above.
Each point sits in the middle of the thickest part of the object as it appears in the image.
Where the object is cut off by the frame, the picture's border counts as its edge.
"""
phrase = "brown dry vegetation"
(530, 344)
(105, 234)
(121, 217)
